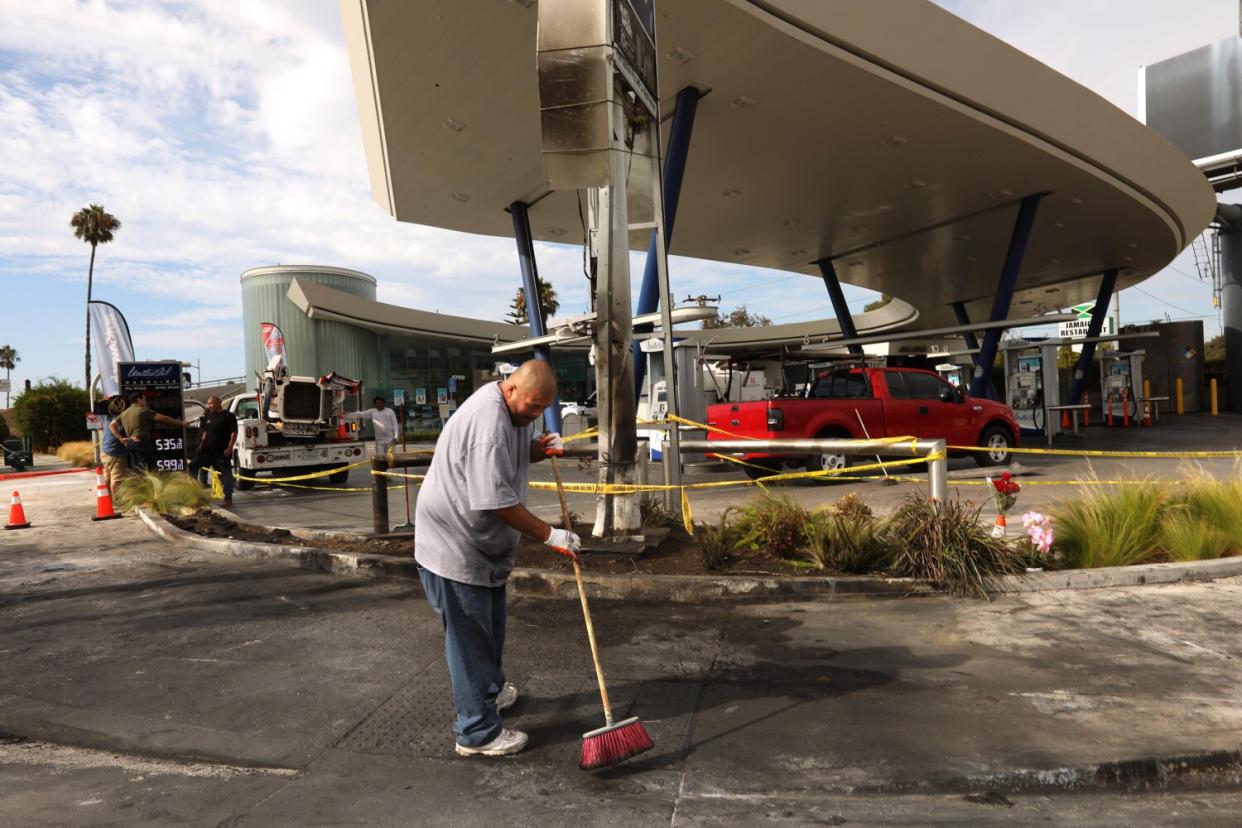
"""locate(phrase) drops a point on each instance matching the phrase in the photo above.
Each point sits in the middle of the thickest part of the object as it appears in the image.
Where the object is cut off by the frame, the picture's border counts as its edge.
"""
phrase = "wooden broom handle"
(586, 609)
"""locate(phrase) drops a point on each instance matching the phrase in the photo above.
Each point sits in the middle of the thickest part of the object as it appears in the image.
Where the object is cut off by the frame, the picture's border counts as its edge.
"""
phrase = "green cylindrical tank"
(313, 346)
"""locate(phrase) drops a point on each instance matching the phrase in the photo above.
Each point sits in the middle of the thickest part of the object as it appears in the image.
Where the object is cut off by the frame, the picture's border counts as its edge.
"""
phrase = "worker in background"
(138, 421)
(113, 453)
(471, 514)
(217, 436)
(383, 421)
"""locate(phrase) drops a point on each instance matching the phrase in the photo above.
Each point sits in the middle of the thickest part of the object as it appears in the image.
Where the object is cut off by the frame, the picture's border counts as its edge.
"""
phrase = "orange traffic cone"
(103, 497)
(341, 433)
(1065, 423)
(1147, 414)
(17, 515)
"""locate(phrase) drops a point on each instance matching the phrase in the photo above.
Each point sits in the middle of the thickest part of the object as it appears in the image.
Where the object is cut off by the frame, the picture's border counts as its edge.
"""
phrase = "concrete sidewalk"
(166, 686)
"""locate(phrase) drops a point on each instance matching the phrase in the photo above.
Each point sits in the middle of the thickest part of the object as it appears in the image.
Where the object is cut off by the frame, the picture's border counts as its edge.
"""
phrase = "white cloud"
(225, 136)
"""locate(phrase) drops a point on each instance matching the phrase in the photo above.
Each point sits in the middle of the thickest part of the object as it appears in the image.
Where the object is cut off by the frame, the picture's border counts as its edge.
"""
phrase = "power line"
(1170, 304)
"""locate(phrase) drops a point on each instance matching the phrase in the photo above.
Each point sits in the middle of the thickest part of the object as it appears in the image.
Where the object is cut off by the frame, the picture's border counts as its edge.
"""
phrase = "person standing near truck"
(383, 420)
(217, 436)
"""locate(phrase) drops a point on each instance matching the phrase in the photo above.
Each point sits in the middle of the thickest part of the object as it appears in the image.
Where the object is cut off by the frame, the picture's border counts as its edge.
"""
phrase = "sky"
(224, 136)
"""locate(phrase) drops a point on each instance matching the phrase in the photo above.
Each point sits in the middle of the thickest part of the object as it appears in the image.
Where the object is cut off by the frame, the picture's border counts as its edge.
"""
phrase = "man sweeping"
(470, 515)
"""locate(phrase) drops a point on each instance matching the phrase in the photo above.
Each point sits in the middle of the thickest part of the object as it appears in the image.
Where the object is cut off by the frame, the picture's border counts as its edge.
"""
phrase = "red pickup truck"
(891, 402)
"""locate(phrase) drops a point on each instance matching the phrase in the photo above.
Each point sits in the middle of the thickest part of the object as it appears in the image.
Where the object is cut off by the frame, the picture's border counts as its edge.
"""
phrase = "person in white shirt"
(383, 420)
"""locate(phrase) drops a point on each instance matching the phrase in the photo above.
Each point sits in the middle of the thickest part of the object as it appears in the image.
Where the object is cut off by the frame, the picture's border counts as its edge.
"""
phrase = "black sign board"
(161, 384)
(633, 34)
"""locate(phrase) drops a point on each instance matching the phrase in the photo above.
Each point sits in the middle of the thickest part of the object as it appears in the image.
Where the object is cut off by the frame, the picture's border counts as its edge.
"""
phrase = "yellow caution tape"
(217, 488)
(1090, 453)
(310, 476)
(687, 517)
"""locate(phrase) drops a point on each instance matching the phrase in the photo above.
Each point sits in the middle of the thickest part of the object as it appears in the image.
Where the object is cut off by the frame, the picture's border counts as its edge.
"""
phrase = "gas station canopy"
(894, 139)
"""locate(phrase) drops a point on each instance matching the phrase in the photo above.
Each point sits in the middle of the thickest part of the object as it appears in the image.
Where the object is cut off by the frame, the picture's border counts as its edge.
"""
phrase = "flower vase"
(999, 529)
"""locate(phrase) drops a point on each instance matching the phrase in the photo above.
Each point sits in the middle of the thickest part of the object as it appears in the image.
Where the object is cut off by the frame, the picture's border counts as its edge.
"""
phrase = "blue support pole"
(963, 318)
(1098, 314)
(674, 172)
(972, 341)
(534, 308)
(982, 378)
(842, 310)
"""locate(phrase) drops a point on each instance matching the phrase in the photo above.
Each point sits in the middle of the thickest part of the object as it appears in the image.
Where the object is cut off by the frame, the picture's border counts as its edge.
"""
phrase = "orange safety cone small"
(103, 498)
(341, 433)
(17, 515)
(1065, 422)
(999, 530)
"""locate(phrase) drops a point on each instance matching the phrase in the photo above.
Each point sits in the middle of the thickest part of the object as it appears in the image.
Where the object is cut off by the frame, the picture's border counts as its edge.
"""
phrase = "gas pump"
(1121, 386)
(1031, 384)
(956, 375)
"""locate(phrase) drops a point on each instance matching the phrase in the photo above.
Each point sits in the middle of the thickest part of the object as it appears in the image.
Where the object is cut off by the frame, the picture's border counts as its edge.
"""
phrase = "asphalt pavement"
(150, 684)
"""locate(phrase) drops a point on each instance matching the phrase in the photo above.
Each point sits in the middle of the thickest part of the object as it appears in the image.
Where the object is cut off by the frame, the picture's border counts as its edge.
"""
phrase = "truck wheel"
(760, 469)
(339, 477)
(829, 461)
(243, 485)
(997, 439)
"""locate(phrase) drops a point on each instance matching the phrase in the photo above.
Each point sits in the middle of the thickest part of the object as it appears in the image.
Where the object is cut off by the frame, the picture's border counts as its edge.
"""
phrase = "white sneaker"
(509, 741)
(506, 698)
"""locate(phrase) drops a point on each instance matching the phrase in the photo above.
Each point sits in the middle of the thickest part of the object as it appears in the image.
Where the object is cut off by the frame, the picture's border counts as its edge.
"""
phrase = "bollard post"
(938, 473)
(1181, 408)
(379, 496)
(1213, 386)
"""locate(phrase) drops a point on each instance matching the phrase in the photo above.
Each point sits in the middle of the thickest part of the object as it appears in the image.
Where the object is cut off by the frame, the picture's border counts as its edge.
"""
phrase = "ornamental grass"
(169, 493)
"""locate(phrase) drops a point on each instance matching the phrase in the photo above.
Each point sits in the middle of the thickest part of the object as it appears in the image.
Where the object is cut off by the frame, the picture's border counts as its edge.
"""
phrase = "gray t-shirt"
(482, 463)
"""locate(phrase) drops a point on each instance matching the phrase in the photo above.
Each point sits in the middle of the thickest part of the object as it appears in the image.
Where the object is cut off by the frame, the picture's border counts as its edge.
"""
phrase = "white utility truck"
(294, 426)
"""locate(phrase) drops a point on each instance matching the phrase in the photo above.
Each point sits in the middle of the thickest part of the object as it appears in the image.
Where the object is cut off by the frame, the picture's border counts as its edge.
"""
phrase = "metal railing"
(937, 467)
(380, 465)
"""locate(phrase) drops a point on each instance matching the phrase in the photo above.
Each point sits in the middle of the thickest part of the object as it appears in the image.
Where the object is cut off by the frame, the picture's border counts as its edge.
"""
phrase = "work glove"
(564, 542)
(552, 444)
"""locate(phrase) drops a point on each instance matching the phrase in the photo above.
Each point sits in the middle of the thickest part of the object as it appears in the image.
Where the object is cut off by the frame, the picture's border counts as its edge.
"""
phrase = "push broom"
(615, 741)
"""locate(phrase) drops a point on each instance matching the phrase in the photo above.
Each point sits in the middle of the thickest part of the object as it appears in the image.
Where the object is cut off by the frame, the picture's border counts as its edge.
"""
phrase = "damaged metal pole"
(614, 366)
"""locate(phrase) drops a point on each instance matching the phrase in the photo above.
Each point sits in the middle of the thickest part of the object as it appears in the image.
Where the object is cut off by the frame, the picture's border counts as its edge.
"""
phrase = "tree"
(878, 303)
(1213, 351)
(738, 318)
(8, 361)
(547, 300)
(52, 412)
(95, 226)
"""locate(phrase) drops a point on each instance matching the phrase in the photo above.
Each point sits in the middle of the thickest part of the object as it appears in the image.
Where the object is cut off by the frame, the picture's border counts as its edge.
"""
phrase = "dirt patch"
(679, 554)
(212, 525)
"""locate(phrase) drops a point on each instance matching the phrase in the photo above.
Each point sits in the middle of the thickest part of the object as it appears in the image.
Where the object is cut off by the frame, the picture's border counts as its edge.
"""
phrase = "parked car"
(891, 402)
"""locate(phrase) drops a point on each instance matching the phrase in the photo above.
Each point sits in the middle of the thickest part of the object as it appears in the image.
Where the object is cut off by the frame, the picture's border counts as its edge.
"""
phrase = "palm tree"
(95, 226)
(8, 361)
(549, 302)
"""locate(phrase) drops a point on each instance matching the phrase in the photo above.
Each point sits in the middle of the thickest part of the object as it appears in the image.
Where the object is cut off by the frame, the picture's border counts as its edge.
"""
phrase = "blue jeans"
(474, 640)
(222, 464)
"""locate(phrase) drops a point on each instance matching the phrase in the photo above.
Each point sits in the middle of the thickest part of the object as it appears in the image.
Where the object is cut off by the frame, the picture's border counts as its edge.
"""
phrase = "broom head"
(614, 743)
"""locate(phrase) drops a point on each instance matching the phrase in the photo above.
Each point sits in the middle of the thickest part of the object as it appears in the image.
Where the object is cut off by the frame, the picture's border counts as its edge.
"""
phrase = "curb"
(538, 583)
(325, 560)
(25, 474)
(1198, 771)
(532, 583)
(1116, 576)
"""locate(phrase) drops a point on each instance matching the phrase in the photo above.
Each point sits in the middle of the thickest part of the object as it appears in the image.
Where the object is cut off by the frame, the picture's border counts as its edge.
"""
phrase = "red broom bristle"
(613, 745)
